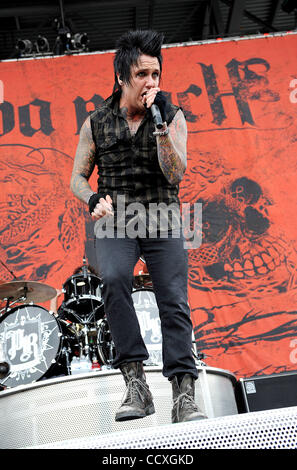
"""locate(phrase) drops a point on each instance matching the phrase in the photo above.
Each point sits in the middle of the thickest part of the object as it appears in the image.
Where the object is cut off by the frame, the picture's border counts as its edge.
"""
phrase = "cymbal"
(28, 291)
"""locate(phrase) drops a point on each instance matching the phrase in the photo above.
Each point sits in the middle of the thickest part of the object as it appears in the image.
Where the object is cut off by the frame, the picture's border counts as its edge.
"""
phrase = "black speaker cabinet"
(267, 392)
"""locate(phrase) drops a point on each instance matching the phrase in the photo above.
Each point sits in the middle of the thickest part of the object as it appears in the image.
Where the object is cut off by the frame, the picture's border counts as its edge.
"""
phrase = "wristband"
(93, 201)
(162, 103)
(164, 132)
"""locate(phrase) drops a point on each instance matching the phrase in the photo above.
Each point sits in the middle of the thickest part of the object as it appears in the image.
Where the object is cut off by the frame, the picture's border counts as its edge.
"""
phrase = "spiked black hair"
(130, 46)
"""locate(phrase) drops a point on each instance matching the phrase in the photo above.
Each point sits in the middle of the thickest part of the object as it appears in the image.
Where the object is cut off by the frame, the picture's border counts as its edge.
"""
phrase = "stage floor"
(77, 412)
(269, 429)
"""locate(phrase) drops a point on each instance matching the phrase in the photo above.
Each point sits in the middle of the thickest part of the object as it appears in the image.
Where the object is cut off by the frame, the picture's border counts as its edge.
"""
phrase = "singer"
(143, 160)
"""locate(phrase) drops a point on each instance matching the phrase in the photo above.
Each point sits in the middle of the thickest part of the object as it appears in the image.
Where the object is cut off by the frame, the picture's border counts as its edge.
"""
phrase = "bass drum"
(82, 299)
(147, 312)
(35, 345)
(148, 316)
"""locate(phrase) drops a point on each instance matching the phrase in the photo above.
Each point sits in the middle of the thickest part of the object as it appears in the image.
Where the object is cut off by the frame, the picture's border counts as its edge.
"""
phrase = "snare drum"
(35, 344)
(82, 298)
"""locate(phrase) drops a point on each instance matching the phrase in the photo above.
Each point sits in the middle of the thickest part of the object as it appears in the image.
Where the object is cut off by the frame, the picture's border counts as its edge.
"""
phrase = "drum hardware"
(9, 305)
(83, 306)
(82, 298)
(65, 353)
(74, 317)
(70, 348)
(199, 357)
(85, 332)
(105, 344)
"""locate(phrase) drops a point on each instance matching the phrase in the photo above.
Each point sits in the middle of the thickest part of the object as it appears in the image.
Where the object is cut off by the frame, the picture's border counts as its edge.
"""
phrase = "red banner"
(240, 102)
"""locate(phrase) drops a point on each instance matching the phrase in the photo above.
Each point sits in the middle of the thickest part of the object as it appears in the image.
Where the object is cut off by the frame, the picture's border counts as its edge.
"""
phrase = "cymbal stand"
(110, 353)
(85, 332)
(68, 363)
(8, 304)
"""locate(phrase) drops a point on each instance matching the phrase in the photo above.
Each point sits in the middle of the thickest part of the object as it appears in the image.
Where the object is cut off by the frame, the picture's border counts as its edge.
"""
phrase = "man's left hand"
(149, 98)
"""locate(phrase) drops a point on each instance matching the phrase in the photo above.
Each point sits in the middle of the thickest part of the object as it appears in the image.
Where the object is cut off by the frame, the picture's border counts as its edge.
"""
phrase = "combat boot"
(138, 400)
(184, 406)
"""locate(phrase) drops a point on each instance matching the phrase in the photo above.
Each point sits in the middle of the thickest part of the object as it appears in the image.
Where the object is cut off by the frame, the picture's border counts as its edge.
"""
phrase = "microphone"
(157, 118)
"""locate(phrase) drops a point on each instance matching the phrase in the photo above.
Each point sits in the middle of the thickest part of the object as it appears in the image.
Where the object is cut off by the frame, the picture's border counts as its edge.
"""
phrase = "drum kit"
(40, 344)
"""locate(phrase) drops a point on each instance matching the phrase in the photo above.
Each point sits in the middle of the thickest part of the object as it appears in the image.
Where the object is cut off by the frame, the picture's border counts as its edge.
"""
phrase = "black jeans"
(167, 263)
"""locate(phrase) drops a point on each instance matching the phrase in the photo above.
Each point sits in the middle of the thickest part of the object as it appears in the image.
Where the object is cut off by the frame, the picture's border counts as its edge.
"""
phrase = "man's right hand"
(102, 208)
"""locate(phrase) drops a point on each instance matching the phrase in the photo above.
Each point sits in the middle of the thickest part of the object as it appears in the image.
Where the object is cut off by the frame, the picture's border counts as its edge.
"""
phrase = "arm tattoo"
(172, 149)
(84, 163)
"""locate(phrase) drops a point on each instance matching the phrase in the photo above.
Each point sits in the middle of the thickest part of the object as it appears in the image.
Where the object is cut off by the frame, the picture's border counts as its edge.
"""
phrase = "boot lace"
(184, 402)
(135, 389)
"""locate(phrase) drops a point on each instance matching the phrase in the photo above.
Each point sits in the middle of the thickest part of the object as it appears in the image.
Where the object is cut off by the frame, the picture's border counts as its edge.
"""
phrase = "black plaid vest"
(128, 165)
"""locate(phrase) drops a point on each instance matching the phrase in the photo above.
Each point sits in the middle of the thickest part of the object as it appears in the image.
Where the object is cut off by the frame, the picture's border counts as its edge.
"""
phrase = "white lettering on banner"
(1, 91)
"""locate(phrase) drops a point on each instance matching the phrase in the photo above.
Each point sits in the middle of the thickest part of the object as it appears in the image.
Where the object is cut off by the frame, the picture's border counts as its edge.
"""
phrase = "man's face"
(143, 76)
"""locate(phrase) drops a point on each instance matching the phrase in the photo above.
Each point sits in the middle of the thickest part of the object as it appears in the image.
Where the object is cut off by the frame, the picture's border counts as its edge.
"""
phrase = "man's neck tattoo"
(133, 119)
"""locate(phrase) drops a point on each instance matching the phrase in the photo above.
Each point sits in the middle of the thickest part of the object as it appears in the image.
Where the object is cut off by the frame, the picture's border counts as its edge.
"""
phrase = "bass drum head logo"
(29, 341)
(147, 312)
